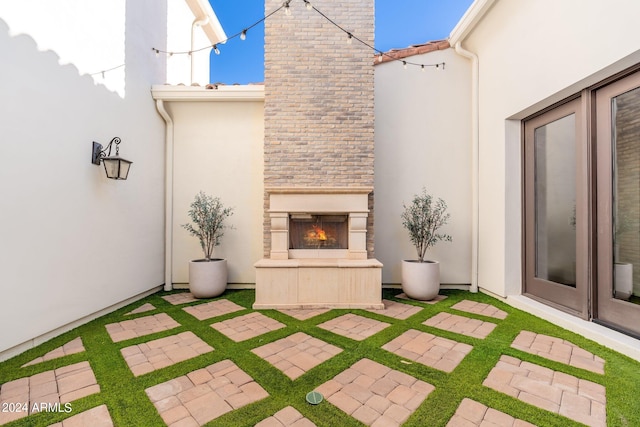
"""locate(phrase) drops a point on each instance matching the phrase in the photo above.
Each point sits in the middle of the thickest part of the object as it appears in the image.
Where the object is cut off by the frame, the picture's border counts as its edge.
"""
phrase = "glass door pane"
(556, 209)
(625, 119)
(555, 201)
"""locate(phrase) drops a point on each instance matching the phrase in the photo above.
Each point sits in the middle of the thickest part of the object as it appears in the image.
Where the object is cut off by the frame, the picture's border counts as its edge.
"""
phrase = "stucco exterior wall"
(531, 55)
(218, 148)
(73, 242)
(423, 139)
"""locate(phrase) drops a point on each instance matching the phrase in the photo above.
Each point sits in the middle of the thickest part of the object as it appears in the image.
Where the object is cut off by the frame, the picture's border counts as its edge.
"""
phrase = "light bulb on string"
(287, 10)
(380, 58)
(404, 64)
(422, 66)
(216, 50)
(243, 35)
(349, 38)
(308, 4)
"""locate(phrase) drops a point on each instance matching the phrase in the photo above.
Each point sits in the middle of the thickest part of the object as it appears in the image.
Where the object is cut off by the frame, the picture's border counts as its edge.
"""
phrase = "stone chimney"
(319, 106)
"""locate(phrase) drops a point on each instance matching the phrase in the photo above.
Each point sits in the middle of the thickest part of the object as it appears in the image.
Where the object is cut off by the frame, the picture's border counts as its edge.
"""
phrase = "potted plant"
(207, 276)
(422, 218)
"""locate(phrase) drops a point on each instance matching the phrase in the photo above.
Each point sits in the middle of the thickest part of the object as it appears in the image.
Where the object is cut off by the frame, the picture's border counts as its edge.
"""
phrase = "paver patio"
(374, 394)
(296, 354)
(575, 398)
(374, 388)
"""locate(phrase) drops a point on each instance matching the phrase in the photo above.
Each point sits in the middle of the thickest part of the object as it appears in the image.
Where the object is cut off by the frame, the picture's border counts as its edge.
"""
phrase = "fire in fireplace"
(308, 231)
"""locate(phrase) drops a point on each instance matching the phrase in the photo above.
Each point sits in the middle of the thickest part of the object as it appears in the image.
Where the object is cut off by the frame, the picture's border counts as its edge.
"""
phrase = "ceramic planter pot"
(623, 280)
(207, 279)
(421, 280)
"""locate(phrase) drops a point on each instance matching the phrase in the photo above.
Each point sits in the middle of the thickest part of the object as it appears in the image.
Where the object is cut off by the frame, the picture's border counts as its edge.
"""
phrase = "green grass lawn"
(129, 405)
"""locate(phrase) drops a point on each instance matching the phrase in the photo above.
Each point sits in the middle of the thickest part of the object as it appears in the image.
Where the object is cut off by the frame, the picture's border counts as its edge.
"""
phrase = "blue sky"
(399, 23)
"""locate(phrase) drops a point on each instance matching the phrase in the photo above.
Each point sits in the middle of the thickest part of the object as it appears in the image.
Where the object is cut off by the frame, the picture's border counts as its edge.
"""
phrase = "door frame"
(572, 300)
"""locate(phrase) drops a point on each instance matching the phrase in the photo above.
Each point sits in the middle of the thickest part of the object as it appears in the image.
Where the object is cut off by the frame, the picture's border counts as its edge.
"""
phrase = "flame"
(319, 233)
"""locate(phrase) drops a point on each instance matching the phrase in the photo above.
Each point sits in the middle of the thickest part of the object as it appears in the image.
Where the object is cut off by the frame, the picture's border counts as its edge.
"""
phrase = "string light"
(287, 10)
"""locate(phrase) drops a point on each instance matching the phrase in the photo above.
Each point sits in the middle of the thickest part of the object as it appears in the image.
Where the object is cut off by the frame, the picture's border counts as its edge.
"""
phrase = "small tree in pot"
(208, 276)
(422, 218)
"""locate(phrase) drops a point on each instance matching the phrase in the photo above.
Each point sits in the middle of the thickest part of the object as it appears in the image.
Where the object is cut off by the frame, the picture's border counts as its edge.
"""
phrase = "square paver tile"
(304, 313)
(559, 350)
(430, 350)
(180, 298)
(397, 310)
(297, 353)
(213, 309)
(288, 416)
(471, 413)
(163, 352)
(353, 326)
(461, 325)
(373, 393)
(141, 326)
(59, 386)
(245, 327)
(72, 347)
(205, 394)
(480, 308)
(95, 417)
(580, 400)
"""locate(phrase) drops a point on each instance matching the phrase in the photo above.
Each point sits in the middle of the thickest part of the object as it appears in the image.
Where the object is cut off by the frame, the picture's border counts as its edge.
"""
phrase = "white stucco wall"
(73, 242)
(423, 139)
(218, 148)
(532, 54)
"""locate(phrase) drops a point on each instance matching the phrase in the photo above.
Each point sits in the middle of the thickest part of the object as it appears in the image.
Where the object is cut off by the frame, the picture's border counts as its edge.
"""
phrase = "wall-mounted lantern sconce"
(115, 166)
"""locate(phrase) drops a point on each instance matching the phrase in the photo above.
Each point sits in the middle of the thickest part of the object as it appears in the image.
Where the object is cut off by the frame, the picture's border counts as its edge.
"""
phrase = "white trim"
(201, 10)
(469, 20)
(199, 93)
(34, 342)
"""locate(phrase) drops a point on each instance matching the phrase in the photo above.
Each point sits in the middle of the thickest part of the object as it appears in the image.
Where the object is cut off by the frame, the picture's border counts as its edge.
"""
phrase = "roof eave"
(213, 29)
(469, 20)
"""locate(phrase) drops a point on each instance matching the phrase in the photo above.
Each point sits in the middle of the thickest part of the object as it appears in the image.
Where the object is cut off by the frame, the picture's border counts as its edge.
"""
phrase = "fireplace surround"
(329, 267)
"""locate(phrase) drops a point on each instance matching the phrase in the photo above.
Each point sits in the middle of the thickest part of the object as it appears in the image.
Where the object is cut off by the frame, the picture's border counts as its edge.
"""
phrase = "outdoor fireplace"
(318, 254)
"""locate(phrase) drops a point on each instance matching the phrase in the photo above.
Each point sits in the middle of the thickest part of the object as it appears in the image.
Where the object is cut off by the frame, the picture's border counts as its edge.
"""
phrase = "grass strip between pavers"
(129, 405)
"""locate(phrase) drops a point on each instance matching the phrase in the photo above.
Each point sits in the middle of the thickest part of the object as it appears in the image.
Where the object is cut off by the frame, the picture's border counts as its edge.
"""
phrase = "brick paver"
(140, 327)
(581, 400)
(461, 325)
(437, 352)
(353, 326)
(163, 352)
(213, 309)
(297, 353)
(205, 394)
(181, 298)
(471, 413)
(480, 308)
(142, 309)
(58, 386)
(248, 326)
(558, 350)
(72, 347)
(95, 417)
(304, 313)
(397, 310)
(287, 417)
(375, 394)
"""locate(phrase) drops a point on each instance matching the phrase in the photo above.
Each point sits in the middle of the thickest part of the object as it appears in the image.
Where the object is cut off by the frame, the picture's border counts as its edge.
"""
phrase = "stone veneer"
(319, 90)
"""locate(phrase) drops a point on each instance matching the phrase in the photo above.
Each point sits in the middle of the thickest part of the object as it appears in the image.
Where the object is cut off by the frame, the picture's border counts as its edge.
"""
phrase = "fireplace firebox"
(308, 231)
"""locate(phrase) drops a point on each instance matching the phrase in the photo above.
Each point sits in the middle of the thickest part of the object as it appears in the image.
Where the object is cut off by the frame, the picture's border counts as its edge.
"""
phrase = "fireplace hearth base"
(318, 283)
